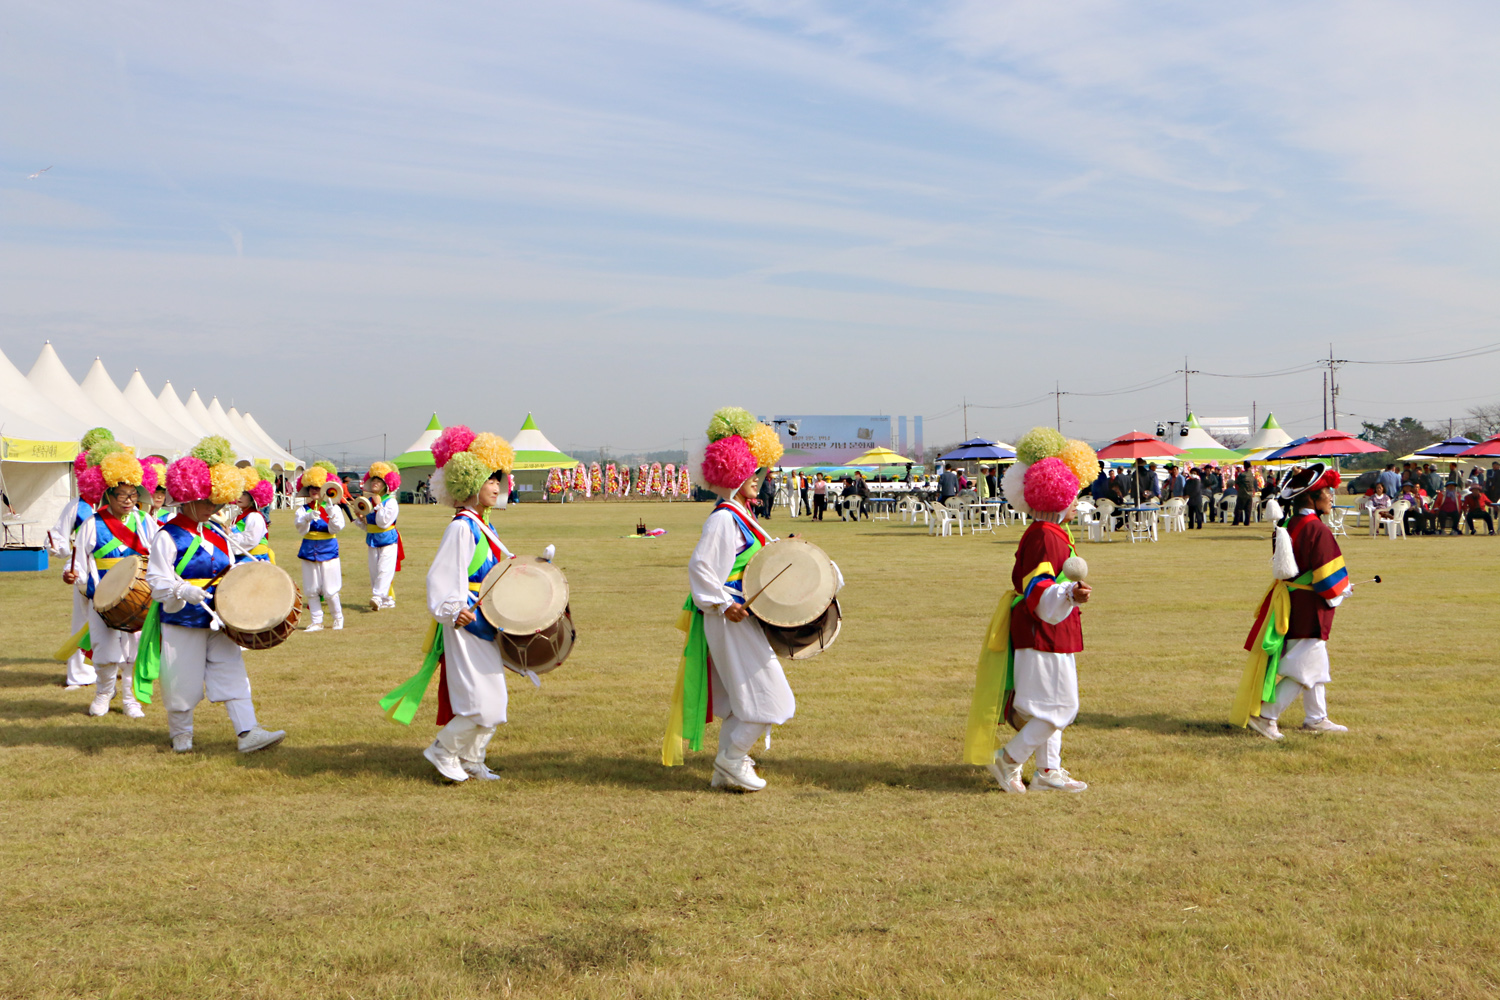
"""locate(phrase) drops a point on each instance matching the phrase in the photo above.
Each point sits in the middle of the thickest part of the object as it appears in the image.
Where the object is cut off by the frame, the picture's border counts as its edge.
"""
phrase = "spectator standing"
(767, 497)
(820, 497)
(947, 486)
(1492, 481)
(1192, 491)
(1244, 489)
(1390, 480)
(858, 508)
(1100, 489)
(1213, 485)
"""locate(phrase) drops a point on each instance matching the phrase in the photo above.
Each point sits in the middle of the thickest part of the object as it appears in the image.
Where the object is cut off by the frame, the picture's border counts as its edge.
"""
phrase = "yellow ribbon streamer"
(1247, 700)
(983, 736)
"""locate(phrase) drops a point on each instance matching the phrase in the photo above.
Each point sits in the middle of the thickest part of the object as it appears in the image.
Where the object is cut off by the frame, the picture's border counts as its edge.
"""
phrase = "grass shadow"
(30, 678)
(1156, 722)
(88, 739)
(36, 708)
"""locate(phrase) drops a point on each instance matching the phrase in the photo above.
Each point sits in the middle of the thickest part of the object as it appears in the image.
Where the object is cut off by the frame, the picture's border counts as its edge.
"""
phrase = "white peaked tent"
(20, 398)
(1196, 436)
(267, 448)
(243, 446)
(177, 411)
(138, 394)
(1270, 435)
(128, 423)
(51, 379)
(290, 461)
(37, 445)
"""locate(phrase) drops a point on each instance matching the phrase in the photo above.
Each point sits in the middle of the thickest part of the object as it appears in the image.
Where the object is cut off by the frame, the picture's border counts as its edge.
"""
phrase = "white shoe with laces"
(314, 627)
(1266, 727)
(447, 764)
(100, 705)
(1056, 779)
(259, 739)
(182, 742)
(133, 710)
(736, 775)
(1324, 725)
(338, 624)
(478, 769)
(1008, 775)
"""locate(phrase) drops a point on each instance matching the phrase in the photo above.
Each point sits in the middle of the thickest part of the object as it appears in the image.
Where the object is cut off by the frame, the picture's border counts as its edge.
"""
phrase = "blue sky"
(622, 214)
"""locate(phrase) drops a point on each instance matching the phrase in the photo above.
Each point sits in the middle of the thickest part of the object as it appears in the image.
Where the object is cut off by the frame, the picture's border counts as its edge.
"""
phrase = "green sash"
(148, 653)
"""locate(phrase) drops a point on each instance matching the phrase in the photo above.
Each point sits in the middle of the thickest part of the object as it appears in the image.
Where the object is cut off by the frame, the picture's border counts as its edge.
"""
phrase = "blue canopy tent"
(979, 450)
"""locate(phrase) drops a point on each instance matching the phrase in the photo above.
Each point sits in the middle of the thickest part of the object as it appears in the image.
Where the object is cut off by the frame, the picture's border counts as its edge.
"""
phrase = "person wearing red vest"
(119, 529)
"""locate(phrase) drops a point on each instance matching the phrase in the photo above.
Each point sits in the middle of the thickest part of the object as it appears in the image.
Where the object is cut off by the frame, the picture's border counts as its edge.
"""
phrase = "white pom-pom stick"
(1074, 568)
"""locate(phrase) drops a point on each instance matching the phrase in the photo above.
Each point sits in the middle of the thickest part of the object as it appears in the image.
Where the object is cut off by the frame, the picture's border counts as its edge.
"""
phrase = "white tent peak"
(1196, 436)
(50, 378)
(130, 424)
(1270, 435)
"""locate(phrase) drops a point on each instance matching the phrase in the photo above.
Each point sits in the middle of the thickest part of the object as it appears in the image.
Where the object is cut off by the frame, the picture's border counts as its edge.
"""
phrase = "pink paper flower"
(1050, 486)
(449, 443)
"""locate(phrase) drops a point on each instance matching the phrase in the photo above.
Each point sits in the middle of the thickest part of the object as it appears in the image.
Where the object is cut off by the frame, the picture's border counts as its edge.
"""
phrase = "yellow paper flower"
(493, 451)
(120, 468)
(228, 482)
(765, 445)
(314, 475)
(1082, 461)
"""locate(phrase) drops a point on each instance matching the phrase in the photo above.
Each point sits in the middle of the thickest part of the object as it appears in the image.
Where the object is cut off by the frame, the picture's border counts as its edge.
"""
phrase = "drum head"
(806, 641)
(523, 595)
(795, 582)
(255, 596)
(118, 582)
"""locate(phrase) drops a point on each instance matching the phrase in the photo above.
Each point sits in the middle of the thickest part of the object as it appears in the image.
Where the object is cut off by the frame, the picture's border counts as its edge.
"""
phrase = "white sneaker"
(1056, 779)
(447, 764)
(75, 687)
(182, 743)
(258, 739)
(100, 704)
(480, 770)
(390, 602)
(1266, 727)
(736, 775)
(1324, 726)
(375, 604)
(1008, 775)
(314, 627)
(338, 624)
(133, 710)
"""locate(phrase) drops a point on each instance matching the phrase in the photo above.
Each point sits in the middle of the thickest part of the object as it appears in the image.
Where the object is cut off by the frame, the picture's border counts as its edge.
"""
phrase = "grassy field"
(1202, 861)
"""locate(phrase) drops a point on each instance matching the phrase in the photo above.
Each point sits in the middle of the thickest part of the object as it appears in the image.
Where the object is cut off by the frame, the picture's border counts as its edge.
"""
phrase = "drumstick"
(1363, 582)
(768, 584)
(480, 599)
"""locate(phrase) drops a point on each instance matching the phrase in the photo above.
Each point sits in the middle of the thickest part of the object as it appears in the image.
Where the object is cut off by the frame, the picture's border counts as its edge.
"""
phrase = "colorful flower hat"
(90, 479)
(258, 484)
(318, 475)
(207, 473)
(465, 460)
(385, 472)
(1048, 473)
(736, 447)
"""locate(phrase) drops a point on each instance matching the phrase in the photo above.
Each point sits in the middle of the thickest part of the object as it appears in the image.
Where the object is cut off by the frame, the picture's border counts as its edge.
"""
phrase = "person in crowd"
(1476, 505)
(1492, 481)
(1455, 475)
(1177, 482)
(1380, 504)
(1244, 491)
(1289, 648)
(1431, 481)
(1390, 480)
(251, 533)
(1418, 521)
(1213, 485)
(907, 478)
(820, 497)
(1099, 489)
(766, 498)
(861, 493)
(948, 486)
(805, 485)
(992, 480)
(1192, 492)
(1447, 508)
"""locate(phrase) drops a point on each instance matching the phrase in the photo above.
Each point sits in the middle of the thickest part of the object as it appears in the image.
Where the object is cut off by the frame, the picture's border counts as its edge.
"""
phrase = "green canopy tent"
(416, 462)
(535, 457)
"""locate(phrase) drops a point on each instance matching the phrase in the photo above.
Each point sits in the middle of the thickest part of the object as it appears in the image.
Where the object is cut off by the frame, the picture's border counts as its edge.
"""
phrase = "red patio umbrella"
(1330, 444)
(1137, 445)
(1488, 448)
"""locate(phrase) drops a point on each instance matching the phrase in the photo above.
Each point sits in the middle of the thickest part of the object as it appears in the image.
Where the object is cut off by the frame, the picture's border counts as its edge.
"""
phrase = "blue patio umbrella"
(1446, 449)
(1276, 455)
(978, 450)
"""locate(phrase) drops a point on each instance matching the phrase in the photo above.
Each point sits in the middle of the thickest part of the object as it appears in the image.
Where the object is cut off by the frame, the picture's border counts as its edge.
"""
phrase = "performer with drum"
(381, 537)
(116, 532)
(252, 531)
(158, 510)
(1027, 668)
(462, 646)
(319, 523)
(182, 641)
(79, 671)
(728, 669)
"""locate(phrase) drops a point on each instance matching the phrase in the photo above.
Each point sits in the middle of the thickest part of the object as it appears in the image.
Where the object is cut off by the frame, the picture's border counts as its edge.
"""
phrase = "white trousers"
(464, 737)
(327, 579)
(110, 646)
(197, 659)
(1041, 738)
(108, 672)
(737, 737)
(1314, 701)
(382, 569)
(79, 670)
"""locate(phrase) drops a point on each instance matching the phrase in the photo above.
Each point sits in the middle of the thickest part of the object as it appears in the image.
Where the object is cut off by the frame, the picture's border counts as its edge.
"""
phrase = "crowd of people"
(1435, 503)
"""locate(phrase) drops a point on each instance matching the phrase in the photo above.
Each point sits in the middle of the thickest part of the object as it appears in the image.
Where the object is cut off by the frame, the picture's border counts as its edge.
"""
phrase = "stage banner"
(830, 440)
(23, 450)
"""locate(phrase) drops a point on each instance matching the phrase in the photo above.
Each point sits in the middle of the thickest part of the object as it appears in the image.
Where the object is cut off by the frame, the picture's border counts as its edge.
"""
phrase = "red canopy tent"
(1329, 444)
(1488, 448)
(1137, 445)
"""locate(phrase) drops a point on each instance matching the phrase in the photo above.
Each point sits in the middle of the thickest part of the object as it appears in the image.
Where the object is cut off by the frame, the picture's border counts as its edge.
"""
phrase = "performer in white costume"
(252, 529)
(728, 670)
(382, 540)
(79, 671)
(319, 524)
(119, 529)
(462, 648)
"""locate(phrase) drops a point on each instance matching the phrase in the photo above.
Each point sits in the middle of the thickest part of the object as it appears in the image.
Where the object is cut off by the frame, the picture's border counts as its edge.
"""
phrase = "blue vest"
(81, 513)
(484, 560)
(207, 563)
(106, 554)
(376, 539)
(319, 549)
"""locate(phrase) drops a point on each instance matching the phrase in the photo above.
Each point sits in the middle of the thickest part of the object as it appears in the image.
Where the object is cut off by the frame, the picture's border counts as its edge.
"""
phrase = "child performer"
(319, 524)
(60, 543)
(1289, 642)
(189, 554)
(1027, 670)
(461, 645)
(728, 668)
(157, 508)
(117, 530)
(252, 530)
(381, 537)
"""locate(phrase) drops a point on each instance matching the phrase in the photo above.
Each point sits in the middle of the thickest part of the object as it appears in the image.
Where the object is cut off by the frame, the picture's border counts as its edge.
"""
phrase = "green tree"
(1397, 437)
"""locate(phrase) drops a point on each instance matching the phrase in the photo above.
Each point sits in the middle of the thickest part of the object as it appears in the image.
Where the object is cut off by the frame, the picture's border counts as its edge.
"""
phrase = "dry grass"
(1201, 862)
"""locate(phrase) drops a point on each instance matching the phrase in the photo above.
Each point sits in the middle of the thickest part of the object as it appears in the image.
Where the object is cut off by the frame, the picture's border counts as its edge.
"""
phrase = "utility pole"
(1333, 387)
(966, 418)
(1057, 398)
(382, 447)
(1185, 371)
(1325, 401)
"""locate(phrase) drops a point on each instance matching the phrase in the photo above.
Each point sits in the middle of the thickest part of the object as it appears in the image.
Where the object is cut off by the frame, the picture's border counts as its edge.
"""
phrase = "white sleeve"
(161, 573)
(336, 521)
(1056, 603)
(385, 514)
(303, 518)
(83, 551)
(839, 575)
(711, 562)
(254, 533)
(448, 578)
(60, 535)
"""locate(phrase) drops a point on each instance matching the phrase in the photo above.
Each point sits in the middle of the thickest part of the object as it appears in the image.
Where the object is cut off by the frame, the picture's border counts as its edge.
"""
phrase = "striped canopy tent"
(535, 457)
(416, 462)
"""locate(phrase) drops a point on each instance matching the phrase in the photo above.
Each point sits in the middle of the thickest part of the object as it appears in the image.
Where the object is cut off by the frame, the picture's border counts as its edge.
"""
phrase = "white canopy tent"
(128, 423)
(51, 379)
(174, 406)
(138, 394)
(243, 446)
(267, 449)
(1269, 437)
(1196, 436)
(288, 461)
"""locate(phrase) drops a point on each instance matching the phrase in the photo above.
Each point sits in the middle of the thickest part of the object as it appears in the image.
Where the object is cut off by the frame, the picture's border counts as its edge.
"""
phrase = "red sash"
(125, 535)
(747, 522)
(213, 537)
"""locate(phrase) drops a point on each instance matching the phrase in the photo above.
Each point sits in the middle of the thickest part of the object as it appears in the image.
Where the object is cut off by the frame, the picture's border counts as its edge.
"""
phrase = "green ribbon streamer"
(695, 679)
(401, 704)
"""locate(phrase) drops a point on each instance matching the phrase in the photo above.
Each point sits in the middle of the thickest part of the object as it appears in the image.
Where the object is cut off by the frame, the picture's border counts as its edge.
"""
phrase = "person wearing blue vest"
(252, 530)
(319, 524)
(182, 643)
(117, 530)
(60, 543)
(382, 540)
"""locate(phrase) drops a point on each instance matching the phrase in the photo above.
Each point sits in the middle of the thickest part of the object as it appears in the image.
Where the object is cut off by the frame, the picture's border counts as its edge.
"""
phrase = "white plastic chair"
(1142, 525)
(944, 518)
(1336, 522)
(1106, 511)
(1173, 517)
(1396, 526)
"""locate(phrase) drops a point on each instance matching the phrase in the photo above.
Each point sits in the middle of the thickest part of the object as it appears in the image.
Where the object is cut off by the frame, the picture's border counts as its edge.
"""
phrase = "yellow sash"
(982, 737)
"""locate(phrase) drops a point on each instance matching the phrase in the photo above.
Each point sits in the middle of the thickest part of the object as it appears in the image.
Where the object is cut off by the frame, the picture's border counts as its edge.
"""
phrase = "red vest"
(1043, 543)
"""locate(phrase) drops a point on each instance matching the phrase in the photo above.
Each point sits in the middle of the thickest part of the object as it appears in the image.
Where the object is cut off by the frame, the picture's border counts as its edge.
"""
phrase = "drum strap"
(148, 653)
